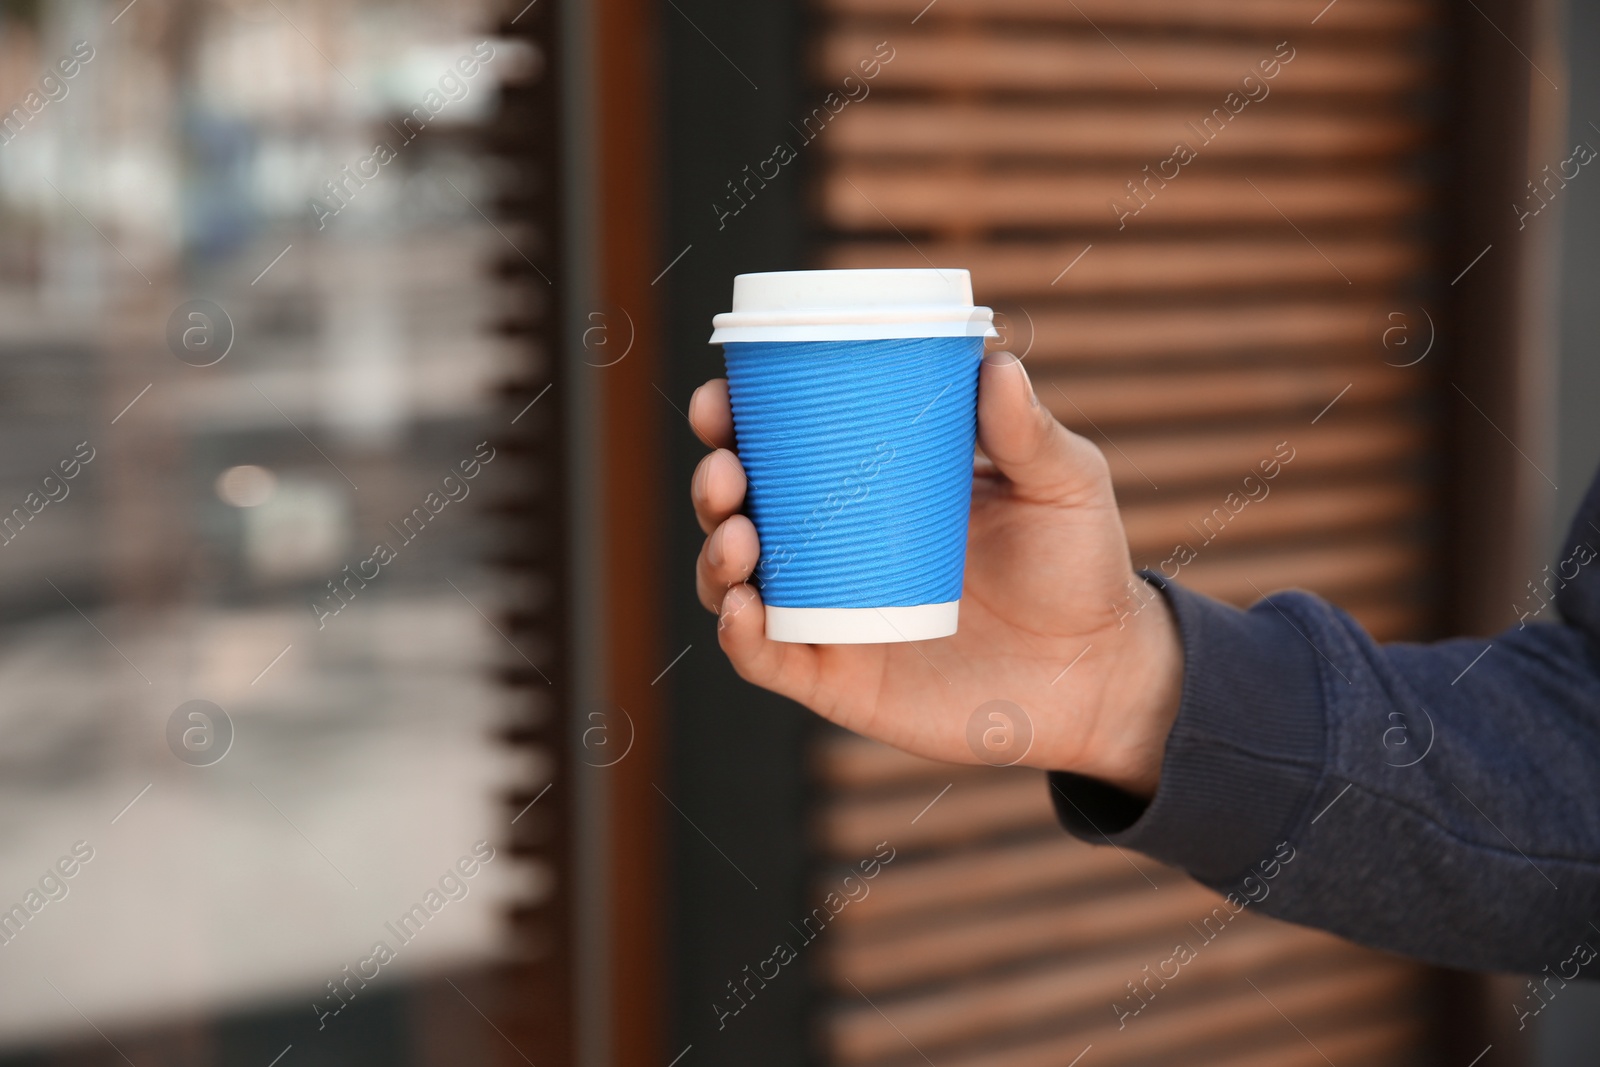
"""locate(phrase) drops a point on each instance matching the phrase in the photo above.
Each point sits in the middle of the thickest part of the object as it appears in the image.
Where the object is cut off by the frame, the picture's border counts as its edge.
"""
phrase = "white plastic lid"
(852, 305)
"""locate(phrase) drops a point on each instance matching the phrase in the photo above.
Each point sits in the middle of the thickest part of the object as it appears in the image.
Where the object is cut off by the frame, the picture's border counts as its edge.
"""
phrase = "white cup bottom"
(861, 626)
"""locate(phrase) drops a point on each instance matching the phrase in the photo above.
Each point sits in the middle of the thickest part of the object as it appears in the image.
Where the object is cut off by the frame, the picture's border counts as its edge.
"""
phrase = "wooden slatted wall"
(1245, 295)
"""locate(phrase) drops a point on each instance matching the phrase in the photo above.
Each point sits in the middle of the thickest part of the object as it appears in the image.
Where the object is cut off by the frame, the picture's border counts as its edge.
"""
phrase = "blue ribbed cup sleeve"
(859, 459)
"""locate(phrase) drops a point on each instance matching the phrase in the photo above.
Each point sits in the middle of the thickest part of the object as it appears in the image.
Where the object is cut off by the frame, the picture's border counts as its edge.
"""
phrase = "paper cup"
(855, 411)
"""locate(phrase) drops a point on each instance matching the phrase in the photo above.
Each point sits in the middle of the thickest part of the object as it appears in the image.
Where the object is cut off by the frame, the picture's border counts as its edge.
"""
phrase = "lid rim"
(865, 331)
(778, 292)
(875, 303)
(843, 315)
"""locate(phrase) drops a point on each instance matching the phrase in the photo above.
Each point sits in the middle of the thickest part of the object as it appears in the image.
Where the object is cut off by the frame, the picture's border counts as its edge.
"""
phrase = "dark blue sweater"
(1441, 801)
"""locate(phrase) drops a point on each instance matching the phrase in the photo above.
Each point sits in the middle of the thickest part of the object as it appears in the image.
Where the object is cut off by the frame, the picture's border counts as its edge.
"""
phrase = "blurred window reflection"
(242, 301)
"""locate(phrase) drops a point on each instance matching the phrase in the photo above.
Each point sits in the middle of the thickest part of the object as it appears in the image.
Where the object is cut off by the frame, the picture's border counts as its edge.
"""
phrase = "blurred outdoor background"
(263, 390)
(344, 350)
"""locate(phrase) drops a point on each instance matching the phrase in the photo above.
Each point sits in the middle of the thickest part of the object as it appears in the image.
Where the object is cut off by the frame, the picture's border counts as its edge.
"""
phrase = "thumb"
(1038, 455)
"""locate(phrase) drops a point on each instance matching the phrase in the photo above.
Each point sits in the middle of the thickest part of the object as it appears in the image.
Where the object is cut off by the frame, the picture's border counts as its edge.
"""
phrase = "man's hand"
(1048, 581)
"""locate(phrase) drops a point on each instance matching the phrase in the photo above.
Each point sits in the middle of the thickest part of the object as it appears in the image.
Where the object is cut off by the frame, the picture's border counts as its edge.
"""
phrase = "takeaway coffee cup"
(855, 412)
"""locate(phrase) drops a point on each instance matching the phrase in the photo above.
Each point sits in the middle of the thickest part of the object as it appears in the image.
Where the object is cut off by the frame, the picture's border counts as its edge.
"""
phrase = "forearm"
(1449, 818)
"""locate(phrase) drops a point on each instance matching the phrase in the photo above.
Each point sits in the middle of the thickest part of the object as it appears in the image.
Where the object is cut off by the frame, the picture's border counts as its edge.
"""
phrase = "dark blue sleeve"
(1441, 801)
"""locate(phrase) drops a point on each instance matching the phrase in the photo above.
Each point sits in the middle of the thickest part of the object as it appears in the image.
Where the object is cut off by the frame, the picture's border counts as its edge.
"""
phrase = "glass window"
(250, 792)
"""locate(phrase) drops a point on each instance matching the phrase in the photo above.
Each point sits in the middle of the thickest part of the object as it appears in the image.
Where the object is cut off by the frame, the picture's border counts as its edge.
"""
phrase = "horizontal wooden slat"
(1110, 400)
(1327, 570)
(1003, 60)
(1254, 16)
(1222, 458)
(976, 939)
(1186, 1032)
(1085, 335)
(1141, 134)
(966, 1011)
(1052, 863)
(1395, 1042)
(843, 761)
(1132, 265)
(969, 812)
(1288, 511)
(880, 199)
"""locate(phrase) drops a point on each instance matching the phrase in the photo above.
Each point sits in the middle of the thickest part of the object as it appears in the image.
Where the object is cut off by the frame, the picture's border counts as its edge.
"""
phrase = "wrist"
(1140, 700)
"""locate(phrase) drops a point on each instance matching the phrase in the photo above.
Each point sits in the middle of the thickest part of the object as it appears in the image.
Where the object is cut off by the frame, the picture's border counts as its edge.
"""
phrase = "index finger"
(711, 414)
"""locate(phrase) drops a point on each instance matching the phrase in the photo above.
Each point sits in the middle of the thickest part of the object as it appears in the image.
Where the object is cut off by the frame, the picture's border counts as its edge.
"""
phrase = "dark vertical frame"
(1571, 1027)
(1493, 342)
(624, 57)
(1579, 220)
(1494, 354)
(736, 753)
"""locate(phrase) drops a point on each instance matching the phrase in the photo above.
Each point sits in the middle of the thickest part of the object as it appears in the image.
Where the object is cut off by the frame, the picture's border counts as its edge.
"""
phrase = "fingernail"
(697, 486)
(714, 547)
(1033, 397)
(731, 605)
